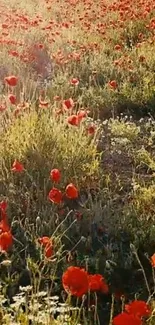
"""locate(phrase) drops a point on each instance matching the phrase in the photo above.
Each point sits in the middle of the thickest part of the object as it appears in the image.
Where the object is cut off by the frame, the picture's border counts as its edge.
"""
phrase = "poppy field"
(77, 162)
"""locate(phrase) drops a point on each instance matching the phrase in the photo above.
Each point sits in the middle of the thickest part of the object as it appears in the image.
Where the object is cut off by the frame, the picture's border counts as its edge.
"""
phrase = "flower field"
(77, 162)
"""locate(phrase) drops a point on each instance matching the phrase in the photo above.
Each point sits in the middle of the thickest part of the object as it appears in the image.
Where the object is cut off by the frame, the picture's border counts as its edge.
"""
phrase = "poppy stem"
(112, 310)
(59, 226)
(141, 266)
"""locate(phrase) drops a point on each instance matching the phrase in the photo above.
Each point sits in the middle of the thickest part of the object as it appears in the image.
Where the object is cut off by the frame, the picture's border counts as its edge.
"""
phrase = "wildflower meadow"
(77, 162)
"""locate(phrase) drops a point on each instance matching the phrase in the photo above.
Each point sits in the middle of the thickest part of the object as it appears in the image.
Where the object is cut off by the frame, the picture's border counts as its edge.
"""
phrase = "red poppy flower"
(4, 226)
(3, 207)
(75, 281)
(142, 58)
(68, 103)
(126, 319)
(11, 80)
(43, 103)
(2, 107)
(71, 191)
(5, 241)
(55, 175)
(48, 251)
(153, 260)
(138, 308)
(12, 99)
(74, 81)
(4, 25)
(73, 120)
(14, 53)
(117, 47)
(40, 46)
(17, 166)
(91, 129)
(113, 84)
(55, 195)
(17, 111)
(46, 242)
(81, 114)
(97, 283)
